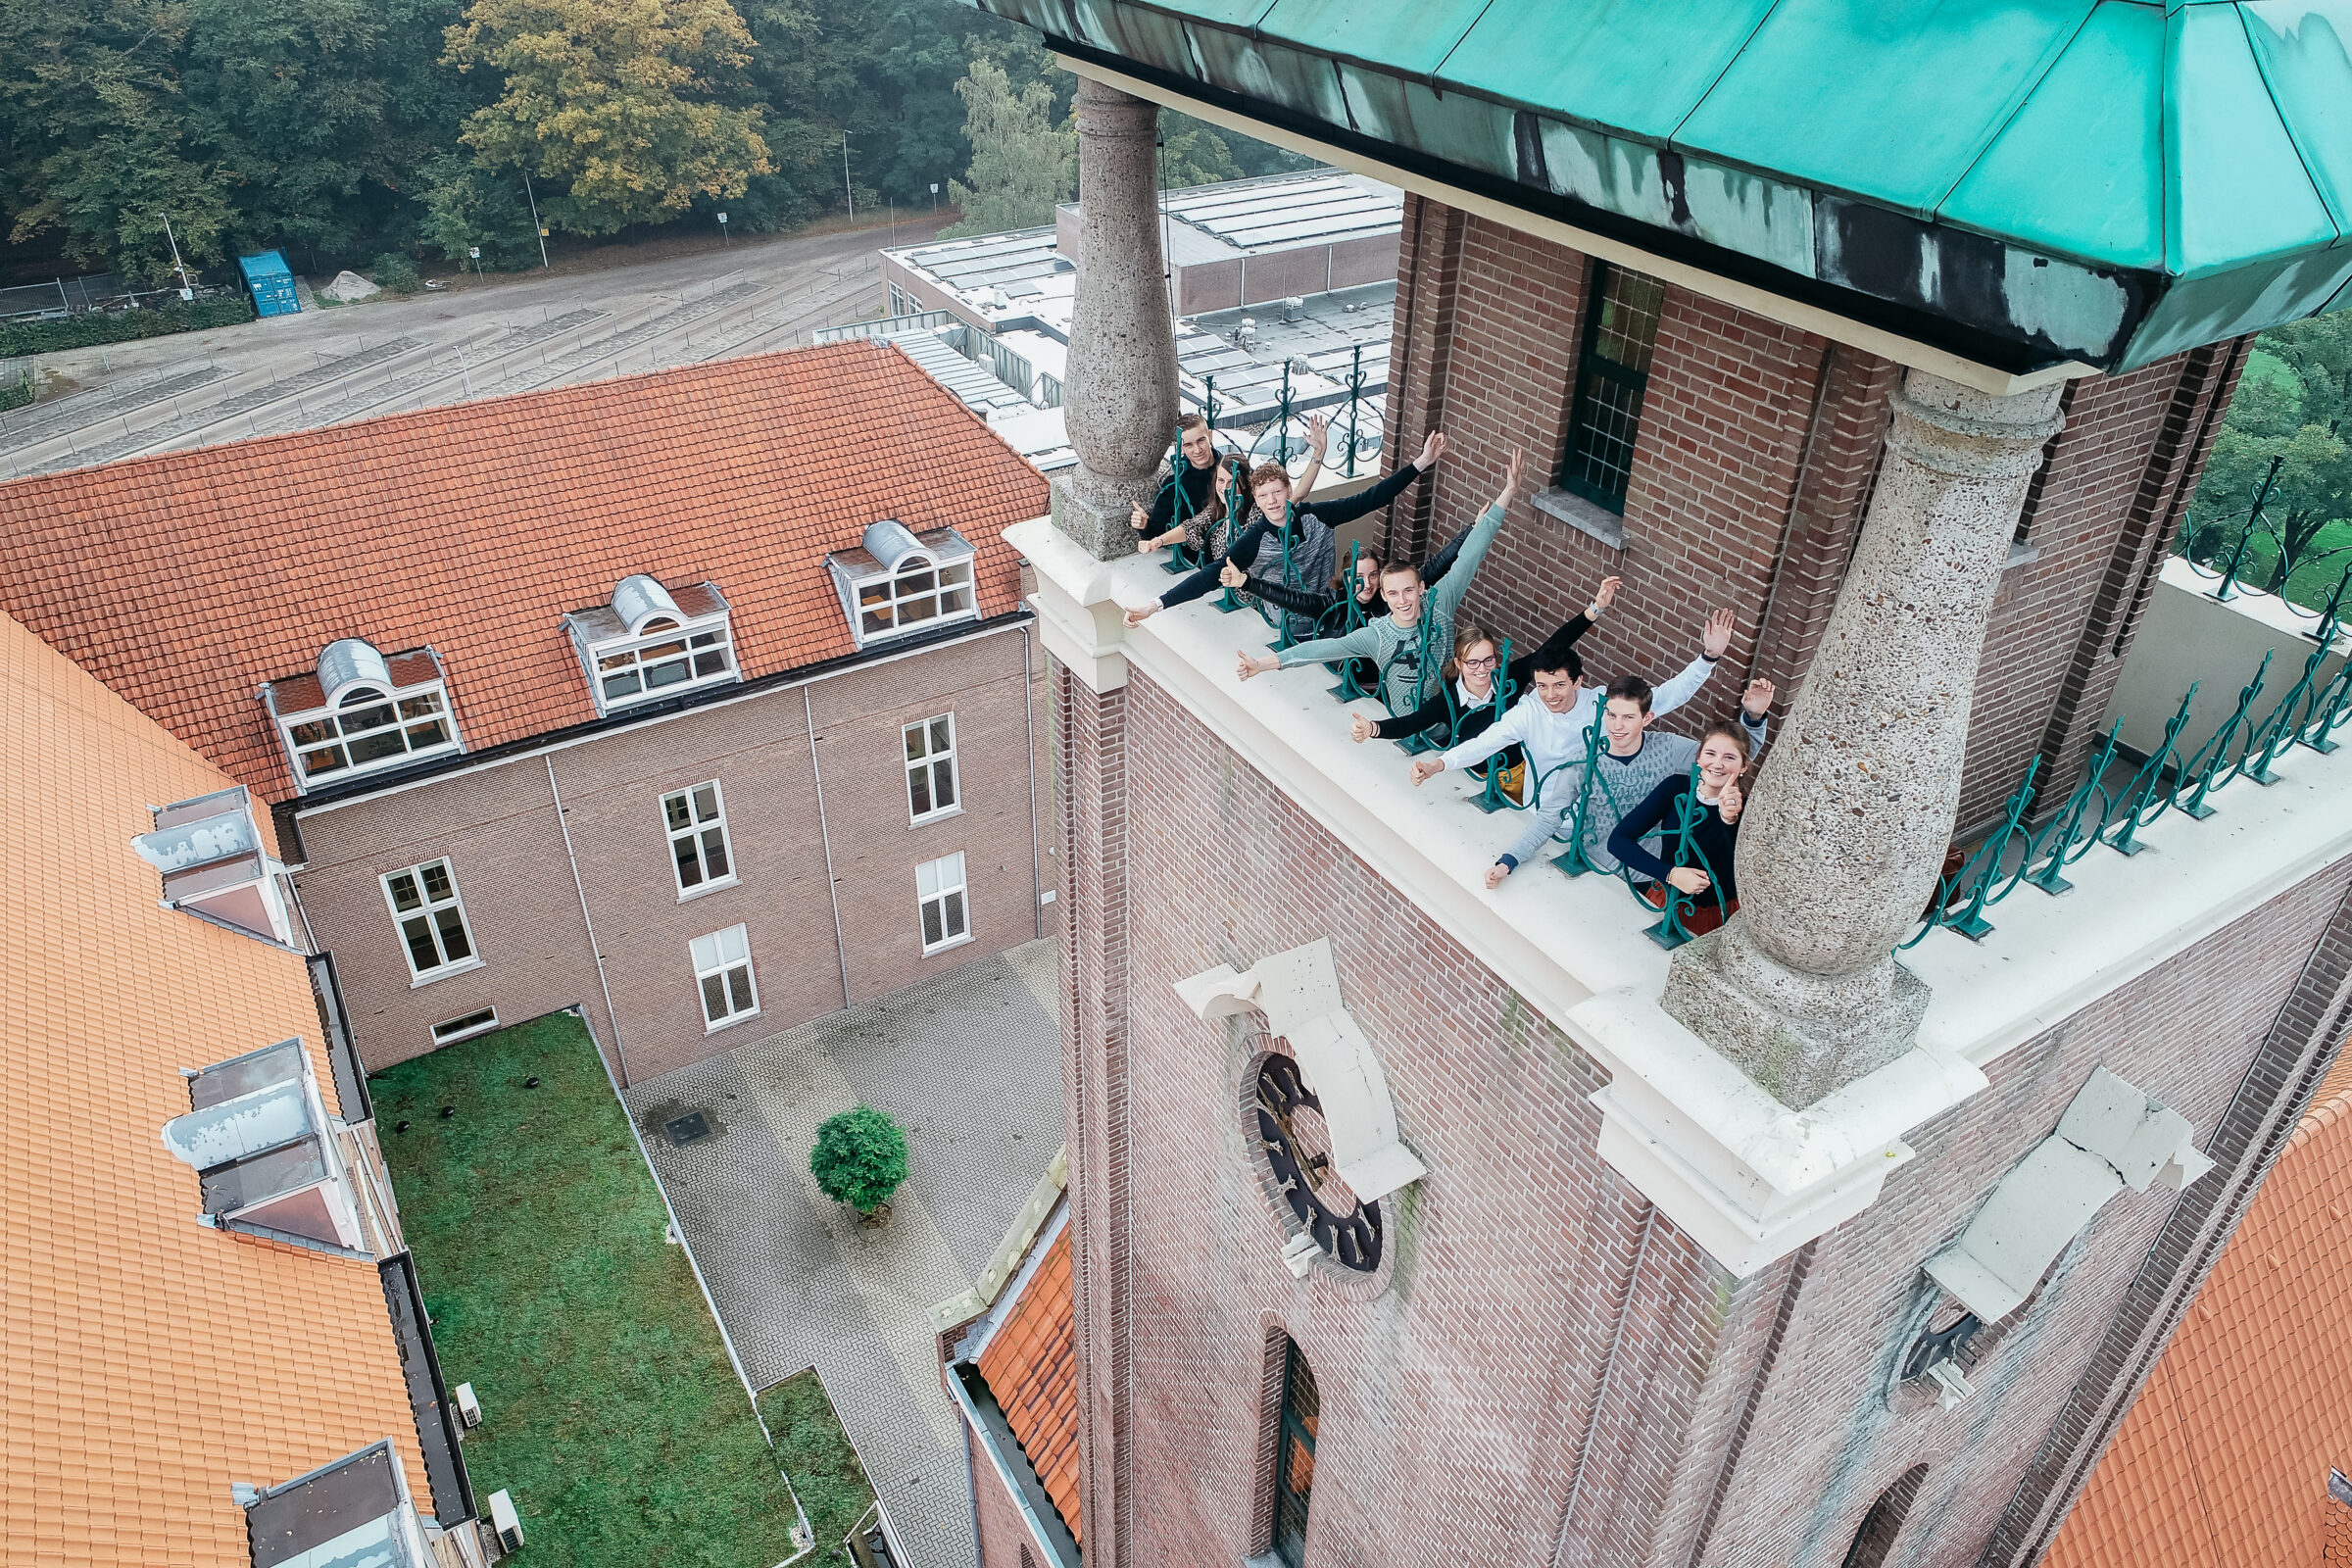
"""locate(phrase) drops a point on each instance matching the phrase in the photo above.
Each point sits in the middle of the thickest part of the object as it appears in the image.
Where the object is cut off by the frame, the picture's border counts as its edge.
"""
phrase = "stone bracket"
(1298, 994)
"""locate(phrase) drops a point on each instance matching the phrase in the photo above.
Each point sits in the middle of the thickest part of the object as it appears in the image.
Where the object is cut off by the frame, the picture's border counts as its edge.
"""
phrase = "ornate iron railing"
(2227, 549)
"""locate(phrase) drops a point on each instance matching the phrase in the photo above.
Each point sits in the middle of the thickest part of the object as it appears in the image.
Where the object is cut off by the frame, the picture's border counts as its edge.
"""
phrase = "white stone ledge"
(1750, 1179)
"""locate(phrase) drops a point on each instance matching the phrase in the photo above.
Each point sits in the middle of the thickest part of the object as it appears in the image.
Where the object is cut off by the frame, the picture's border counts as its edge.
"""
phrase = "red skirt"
(1699, 918)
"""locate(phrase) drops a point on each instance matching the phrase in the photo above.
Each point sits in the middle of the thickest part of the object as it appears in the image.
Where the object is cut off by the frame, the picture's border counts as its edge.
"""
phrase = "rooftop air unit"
(506, 1521)
(469, 1409)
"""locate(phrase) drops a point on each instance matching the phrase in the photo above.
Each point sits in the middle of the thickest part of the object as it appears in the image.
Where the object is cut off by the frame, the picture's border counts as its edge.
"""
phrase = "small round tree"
(860, 1159)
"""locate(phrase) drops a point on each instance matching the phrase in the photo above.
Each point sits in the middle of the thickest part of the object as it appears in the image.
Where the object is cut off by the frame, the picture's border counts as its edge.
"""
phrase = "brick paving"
(969, 1062)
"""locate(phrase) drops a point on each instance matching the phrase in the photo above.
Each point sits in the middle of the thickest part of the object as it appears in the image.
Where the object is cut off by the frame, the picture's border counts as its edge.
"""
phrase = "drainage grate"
(690, 1128)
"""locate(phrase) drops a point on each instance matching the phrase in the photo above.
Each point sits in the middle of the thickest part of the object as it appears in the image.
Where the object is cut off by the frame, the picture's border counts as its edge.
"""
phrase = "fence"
(2233, 549)
(64, 296)
(1278, 429)
(887, 327)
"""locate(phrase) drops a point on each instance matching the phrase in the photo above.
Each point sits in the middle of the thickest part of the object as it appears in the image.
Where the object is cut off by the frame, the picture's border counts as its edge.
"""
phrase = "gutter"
(984, 1419)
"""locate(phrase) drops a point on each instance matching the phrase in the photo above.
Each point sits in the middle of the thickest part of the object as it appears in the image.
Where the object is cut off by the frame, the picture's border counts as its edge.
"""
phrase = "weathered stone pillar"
(1119, 394)
(1847, 828)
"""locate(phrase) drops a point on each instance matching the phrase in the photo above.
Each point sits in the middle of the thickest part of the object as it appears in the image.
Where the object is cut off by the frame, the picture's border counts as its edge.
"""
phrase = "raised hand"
(1688, 879)
(1426, 768)
(1360, 728)
(1318, 433)
(1758, 701)
(1231, 575)
(1138, 518)
(1516, 475)
(1728, 804)
(1606, 594)
(1431, 450)
(1718, 634)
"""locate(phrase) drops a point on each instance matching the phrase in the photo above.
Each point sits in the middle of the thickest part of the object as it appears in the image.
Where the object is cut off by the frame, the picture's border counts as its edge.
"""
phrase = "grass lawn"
(609, 1410)
(824, 1468)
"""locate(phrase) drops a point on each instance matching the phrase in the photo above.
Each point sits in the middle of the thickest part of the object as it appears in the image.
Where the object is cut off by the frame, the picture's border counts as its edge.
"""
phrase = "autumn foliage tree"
(611, 103)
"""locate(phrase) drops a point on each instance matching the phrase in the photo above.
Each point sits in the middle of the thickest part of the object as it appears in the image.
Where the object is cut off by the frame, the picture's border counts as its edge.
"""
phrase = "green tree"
(465, 205)
(2293, 407)
(1022, 164)
(611, 102)
(860, 1159)
(94, 146)
(1192, 153)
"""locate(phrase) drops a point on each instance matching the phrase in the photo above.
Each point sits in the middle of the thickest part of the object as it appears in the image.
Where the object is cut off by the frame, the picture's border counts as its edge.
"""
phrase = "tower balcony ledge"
(1750, 1179)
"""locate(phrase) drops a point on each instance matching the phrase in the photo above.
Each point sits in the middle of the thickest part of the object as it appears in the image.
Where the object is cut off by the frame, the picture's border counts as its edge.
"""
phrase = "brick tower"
(1414, 1220)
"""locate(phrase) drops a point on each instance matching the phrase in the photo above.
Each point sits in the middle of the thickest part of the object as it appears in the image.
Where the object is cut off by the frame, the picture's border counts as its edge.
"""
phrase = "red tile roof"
(1031, 1364)
(2224, 1460)
(184, 581)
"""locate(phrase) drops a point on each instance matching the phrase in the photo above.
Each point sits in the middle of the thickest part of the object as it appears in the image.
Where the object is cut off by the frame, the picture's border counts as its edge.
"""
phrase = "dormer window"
(901, 581)
(362, 711)
(210, 852)
(650, 642)
(264, 1154)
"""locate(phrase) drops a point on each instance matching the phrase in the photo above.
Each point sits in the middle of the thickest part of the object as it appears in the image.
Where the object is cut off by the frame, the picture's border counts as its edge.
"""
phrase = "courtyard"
(969, 1062)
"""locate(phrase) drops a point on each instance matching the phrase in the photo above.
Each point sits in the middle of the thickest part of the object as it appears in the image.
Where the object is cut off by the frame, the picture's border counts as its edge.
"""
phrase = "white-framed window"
(425, 905)
(668, 656)
(898, 582)
(371, 725)
(722, 972)
(939, 890)
(695, 821)
(481, 1021)
(931, 768)
(650, 642)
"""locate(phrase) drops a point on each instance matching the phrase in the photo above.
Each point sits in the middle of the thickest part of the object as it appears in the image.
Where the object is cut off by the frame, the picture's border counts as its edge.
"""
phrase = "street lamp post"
(186, 291)
(846, 188)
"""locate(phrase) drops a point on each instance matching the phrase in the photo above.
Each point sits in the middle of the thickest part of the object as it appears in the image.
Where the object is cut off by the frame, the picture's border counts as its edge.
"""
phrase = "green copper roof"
(2023, 181)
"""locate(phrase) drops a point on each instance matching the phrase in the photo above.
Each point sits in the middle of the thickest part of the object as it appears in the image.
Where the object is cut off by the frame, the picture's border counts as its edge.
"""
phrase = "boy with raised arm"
(1407, 645)
(1551, 723)
(1313, 556)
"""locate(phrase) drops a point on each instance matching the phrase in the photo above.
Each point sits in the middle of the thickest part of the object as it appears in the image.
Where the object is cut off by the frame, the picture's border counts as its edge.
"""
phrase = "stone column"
(1119, 394)
(1847, 828)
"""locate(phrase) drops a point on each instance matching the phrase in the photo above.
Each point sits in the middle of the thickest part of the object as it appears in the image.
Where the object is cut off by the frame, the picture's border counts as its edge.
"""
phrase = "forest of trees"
(339, 130)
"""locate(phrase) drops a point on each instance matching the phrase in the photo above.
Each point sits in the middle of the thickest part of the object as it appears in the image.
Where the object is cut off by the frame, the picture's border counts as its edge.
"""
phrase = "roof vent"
(890, 542)
(639, 599)
(351, 661)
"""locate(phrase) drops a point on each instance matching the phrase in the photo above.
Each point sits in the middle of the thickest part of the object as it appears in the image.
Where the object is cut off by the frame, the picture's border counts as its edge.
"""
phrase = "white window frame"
(425, 909)
(358, 700)
(702, 637)
(927, 768)
(711, 960)
(883, 600)
(482, 1027)
(947, 880)
(696, 832)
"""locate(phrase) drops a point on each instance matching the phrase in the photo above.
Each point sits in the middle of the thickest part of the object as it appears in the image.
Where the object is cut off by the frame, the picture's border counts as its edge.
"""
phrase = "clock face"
(1290, 1126)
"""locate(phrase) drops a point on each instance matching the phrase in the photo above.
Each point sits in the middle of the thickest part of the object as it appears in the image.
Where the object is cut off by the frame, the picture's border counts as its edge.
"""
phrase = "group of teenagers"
(1438, 675)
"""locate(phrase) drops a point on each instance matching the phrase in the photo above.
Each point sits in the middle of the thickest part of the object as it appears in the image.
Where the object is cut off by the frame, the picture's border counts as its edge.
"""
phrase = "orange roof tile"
(2224, 1460)
(1031, 1364)
(146, 1361)
(184, 581)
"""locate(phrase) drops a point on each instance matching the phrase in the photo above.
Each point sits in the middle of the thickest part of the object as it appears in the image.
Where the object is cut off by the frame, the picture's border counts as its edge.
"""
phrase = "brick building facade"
(1416, 1219)
(715, 685)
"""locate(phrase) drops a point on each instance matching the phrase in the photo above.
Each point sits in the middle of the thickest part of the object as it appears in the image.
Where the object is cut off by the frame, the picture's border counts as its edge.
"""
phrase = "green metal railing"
(2101, 811)
(2231, 548)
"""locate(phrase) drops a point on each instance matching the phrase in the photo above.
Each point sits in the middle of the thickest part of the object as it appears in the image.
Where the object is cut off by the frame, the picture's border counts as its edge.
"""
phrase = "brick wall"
(1758, 448)
(1553, 1366)
(1003, 1532)
(498, 827)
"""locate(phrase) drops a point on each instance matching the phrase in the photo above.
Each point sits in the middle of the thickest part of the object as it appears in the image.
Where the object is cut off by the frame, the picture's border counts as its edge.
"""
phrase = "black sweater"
(1311, 524)
(1322, 604)
(1711, 842)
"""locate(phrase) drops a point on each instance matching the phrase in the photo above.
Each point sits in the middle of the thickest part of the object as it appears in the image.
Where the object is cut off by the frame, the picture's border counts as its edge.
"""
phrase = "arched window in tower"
(1294, 1455)
(1874, 1541)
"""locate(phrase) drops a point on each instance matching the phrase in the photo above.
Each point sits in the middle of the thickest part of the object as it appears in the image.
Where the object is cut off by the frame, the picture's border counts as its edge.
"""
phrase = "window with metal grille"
(931, 767)
(697, 822)
(1294, 1455)
(939, 890)
(433, 921)
(1612, 376)
(722, 969)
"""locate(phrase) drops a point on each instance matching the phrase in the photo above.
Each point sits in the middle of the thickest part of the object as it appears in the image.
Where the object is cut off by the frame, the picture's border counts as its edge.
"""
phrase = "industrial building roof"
(185, 582)
(2102, 181)
(150, 1362)
(2234, 1454)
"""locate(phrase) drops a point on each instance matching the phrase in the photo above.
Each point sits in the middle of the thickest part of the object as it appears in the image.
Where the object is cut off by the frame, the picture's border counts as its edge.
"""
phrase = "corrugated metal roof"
(2024, 183)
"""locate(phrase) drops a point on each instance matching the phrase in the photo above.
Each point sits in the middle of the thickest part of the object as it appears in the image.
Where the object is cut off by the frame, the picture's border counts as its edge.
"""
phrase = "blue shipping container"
(270, 282)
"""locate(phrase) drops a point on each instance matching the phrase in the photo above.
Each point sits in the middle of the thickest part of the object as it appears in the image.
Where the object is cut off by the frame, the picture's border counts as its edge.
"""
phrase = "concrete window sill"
(1583, 515)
